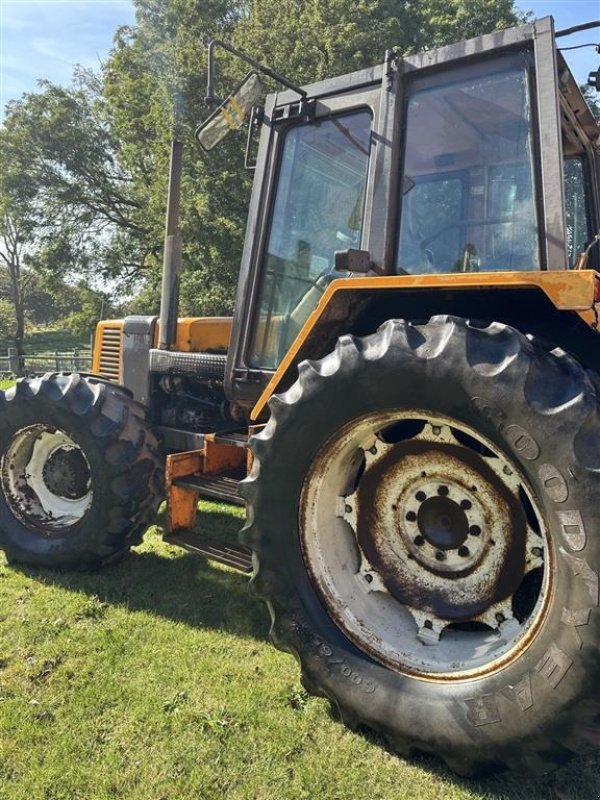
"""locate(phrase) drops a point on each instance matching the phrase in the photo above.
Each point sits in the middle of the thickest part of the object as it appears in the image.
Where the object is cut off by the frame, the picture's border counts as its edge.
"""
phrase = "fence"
(73, 361)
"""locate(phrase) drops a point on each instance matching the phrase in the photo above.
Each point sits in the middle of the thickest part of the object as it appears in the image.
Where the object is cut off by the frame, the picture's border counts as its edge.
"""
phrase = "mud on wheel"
(422, 511)
(80, 472)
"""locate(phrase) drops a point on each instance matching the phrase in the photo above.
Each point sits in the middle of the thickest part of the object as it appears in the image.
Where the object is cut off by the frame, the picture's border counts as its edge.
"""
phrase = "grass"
(6, 384)
(154, 680)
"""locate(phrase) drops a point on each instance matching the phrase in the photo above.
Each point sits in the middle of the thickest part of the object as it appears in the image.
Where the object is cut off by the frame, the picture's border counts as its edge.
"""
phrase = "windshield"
(468, 189)
(318, 209)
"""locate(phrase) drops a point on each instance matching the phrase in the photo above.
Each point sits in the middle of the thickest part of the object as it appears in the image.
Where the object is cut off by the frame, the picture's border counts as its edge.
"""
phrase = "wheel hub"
(443, 523)
(46, 479)
(65, 473)
(432, 538)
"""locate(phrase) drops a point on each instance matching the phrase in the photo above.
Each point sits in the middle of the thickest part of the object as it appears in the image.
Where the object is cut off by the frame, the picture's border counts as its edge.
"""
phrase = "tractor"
(406, 401)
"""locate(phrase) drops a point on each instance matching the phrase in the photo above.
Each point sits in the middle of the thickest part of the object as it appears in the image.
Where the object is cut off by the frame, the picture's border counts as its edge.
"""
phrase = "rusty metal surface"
(420, 547)
(392, 529)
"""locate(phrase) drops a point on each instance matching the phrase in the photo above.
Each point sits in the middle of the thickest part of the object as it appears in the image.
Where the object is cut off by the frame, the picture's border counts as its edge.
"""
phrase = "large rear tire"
(422, 509)
(80, 472)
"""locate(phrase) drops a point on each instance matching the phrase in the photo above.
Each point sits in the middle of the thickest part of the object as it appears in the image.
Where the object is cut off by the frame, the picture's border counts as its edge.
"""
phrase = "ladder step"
(235, 556)
(213, 487)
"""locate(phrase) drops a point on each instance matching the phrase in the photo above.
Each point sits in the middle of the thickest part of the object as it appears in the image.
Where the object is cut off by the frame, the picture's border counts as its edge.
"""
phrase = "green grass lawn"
(154, 680)
(6, 384)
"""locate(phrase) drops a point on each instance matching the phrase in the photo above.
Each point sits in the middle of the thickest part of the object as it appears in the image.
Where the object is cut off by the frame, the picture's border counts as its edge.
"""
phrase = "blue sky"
(46, 38)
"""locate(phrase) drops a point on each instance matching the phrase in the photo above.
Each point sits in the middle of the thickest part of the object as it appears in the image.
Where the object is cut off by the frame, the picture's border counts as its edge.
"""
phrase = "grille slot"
(110, 353)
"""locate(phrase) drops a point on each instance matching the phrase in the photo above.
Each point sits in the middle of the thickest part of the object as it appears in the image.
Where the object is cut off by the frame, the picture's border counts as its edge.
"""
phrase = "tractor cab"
(472, 159)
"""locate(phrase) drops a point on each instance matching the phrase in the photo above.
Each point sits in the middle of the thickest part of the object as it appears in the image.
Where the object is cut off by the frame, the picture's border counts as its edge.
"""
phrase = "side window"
(468, 200)
(578, 228)
(318, 209)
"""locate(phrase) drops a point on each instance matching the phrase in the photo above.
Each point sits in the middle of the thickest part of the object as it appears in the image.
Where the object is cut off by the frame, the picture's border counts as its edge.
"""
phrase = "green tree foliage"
(92, 159)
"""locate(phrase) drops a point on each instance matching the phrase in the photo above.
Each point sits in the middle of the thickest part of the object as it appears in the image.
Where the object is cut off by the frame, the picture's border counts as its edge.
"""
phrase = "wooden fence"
(72, 361)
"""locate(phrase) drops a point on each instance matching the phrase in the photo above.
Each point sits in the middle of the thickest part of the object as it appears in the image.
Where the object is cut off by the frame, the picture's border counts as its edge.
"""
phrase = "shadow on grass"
(179, 585)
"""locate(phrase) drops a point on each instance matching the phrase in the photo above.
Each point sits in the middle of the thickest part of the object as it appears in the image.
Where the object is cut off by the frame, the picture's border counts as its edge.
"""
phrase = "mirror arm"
(211, 43)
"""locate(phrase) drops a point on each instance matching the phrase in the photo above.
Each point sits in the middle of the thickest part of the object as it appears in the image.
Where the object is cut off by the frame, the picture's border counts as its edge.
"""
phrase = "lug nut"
(419, 540)
(421, 496)
(465, 504)
(369, 577)
(463, 551)
(411, 516)
(348, 509)
(537, 551)
(443, 490)
(440, 555)
(474, 530)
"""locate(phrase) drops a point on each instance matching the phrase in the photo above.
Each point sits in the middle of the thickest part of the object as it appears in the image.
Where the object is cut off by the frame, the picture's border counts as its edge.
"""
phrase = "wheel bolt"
(421, 496)
(463, 551)
(474, 530)
(369, 577)
(500, 618)
(465, 504)
(411, 516)
(419, 540)
(373, 450)
(537, 551)
(443, 490)
(348, 509)
(440, 555)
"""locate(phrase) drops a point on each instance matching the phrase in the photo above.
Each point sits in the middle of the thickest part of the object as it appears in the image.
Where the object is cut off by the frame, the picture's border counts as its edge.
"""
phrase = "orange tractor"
(406, 399)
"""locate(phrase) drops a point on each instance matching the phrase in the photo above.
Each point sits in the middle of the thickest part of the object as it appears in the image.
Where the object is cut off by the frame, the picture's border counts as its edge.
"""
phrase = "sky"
(47, 38)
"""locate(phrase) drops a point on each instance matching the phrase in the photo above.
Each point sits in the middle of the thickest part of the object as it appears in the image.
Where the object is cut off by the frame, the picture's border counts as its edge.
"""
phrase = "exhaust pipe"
(169, 297)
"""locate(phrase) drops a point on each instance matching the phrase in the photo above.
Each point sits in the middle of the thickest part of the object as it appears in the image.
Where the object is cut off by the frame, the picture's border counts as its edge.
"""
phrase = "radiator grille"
(110, 353)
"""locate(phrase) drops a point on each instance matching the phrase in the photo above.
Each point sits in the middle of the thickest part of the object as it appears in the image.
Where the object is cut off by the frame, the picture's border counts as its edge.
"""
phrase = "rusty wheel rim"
(46, 479)
(425, 544)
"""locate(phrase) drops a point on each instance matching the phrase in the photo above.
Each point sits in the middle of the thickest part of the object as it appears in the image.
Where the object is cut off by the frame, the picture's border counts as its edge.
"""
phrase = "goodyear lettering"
(520, 693)
(576, 619)
(581, 569)
(554, 483)
(482, 710)
(554, 665)
(523, 442)
(573, 530)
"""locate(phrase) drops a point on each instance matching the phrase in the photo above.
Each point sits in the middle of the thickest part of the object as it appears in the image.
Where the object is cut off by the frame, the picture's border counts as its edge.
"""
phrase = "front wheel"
(80, 472)
(422, 510)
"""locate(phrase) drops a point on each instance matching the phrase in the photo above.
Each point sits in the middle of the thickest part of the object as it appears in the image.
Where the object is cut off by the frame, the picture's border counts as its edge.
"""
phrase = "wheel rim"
(425, 544)
(46, 479)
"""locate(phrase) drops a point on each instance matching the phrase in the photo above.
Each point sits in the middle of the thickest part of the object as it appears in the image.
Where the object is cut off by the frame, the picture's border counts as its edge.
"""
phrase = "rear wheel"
(80, 472)
(421, 511)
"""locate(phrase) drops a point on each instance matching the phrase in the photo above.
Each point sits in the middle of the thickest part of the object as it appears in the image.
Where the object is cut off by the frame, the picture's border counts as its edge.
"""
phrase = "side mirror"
(232, 112)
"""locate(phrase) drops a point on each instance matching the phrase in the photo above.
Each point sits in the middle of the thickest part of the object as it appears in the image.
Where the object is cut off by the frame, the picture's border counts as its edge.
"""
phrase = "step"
(212, 487)
(236, 556)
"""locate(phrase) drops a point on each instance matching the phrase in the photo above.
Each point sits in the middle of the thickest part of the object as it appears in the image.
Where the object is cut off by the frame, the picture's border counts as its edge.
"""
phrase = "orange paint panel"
(567, 290)
(181, 502)
(222, 459)
(203, 334)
